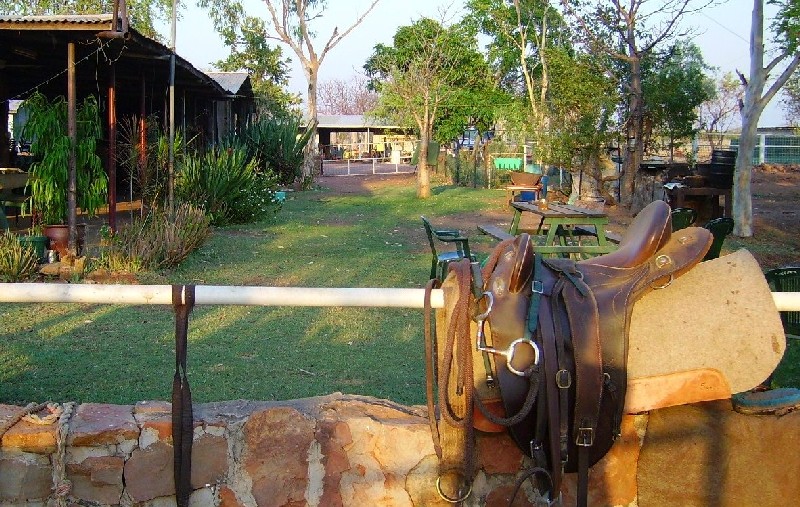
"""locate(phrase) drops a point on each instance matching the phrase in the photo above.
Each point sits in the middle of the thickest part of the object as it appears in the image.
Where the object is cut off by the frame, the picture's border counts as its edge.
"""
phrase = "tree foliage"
(268, 69)
(292, 24)
(717, 113)
(346, 96)
(674, 86)
(428, 78)
(629, 31)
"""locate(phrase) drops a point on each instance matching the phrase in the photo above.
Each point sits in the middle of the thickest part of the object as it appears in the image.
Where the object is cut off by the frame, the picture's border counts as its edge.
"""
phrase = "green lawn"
(122, 354)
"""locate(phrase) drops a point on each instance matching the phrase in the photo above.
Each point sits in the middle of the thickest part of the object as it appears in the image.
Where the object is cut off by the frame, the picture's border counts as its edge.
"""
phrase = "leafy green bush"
(276, 143)
(17, 261)
(159, 240)
(225, 182)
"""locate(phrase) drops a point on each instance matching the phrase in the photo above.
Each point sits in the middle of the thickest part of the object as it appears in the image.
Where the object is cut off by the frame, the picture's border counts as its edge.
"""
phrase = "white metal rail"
(253, 296)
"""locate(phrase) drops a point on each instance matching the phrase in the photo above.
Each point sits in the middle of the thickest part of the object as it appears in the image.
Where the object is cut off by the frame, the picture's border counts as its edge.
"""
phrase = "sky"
(721, 32)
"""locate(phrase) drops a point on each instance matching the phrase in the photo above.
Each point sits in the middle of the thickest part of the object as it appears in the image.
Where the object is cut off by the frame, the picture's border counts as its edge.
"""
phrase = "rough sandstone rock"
(707, 454)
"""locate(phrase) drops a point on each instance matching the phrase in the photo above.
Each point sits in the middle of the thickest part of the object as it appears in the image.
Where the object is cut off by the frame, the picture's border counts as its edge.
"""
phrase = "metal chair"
(786, 279)
(720, 228)
(439, 261)
(682, 218)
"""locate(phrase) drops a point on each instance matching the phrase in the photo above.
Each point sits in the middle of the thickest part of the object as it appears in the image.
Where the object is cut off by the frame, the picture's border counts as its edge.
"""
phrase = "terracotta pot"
(59, 238)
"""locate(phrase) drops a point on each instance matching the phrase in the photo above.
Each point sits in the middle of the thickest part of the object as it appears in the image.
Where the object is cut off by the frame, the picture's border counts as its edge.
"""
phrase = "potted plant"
(34, 238)
(46, 127)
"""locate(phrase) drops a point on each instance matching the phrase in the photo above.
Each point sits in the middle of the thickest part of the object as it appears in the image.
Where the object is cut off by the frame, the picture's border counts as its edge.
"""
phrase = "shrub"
(226, 184)
(18, 262)
(159, 240)
(276, 143)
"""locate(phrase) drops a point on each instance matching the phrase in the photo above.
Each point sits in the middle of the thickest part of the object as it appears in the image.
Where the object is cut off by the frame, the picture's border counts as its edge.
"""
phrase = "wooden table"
(561, 226)
(677, 198)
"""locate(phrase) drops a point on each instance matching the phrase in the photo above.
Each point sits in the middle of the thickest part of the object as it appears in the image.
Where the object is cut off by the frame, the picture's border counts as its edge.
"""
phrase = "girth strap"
(182, 419)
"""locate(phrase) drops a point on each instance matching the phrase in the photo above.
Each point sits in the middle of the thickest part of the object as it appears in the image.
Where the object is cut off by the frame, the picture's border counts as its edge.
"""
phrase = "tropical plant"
(17, 261)
(276, 143)
(223, 182)
(47, 129)
(149, 169)
(160, 239)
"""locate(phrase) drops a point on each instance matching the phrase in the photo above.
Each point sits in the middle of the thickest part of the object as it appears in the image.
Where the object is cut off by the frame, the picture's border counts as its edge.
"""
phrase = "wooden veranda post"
(72, 132)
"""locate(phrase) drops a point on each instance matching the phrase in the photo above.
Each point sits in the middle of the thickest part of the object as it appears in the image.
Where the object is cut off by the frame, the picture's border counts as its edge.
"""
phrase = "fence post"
(762, 148)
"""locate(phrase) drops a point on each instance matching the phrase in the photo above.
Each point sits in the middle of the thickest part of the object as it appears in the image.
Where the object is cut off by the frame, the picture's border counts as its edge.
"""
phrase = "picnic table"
(561, 230)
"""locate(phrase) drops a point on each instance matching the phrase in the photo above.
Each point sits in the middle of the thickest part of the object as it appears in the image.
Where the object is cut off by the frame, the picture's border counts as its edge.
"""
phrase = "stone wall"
(342, 450)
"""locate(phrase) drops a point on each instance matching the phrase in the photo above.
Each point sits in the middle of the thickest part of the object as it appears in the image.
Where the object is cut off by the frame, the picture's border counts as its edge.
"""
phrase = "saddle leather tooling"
(551, 363)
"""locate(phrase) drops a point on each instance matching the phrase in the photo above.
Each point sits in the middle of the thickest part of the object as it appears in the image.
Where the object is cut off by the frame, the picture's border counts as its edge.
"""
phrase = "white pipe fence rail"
(250, 296)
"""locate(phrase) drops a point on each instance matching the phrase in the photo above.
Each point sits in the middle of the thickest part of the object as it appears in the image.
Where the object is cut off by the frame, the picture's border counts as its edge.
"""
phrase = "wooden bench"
(495, 232)
(610, 236)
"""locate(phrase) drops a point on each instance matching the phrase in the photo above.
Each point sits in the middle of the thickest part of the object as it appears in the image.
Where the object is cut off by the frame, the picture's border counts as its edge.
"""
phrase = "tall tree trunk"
(635, 145)
(312, 159)
(423, 174)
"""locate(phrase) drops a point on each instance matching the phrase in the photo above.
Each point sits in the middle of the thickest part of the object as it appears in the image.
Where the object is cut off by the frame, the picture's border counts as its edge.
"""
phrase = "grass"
(123, 354)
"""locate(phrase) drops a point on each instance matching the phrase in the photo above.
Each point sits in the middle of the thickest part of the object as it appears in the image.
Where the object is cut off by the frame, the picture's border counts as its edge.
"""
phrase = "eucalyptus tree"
(717, 113)
(629, 31)
(143, 14)
(266, 65)
(521, 33)
(785, 58)
(430, 76)
(292, 24)
(570, 99)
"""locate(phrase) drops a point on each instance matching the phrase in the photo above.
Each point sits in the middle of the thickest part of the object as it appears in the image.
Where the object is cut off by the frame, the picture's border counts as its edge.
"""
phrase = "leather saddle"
(554, 354)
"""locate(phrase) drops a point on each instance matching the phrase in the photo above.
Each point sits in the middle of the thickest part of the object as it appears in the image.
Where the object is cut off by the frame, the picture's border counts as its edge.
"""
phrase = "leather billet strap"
(616, 289)
(449, 368)
(182, 418)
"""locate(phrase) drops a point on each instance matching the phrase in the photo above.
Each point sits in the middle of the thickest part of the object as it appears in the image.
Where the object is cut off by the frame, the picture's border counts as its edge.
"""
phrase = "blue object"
(543, 181)
(280, 196)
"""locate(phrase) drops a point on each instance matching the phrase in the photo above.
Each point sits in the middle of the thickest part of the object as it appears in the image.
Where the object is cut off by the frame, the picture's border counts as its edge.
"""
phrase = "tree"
(266, 66)
(568, 96)
(431, 70)
(346, 96)
(521, 32)
(717, 112)
(622, 31)
(143, 14)
(786, 28)
(674, 89)
(791, 100)
(292, 22)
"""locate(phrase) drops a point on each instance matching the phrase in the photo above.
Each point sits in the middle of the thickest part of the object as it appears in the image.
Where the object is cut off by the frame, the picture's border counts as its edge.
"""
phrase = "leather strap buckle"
(563, 379)
(585, 437)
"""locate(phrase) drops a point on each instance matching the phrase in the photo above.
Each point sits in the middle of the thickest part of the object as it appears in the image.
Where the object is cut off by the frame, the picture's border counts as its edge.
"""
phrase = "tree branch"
(785, 75)
(335, 37)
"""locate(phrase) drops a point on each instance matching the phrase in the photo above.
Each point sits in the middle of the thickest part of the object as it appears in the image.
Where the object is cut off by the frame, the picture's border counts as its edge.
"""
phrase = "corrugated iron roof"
(230, 81)
(64, 19)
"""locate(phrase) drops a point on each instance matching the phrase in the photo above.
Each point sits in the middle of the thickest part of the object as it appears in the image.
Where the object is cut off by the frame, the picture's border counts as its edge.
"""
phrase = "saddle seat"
(649, 232)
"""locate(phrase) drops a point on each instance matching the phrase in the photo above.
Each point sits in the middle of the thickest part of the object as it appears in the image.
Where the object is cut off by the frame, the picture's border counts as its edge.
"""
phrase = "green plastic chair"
(786, 279)
(439, 261)
(720, 228)
(682, 218)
